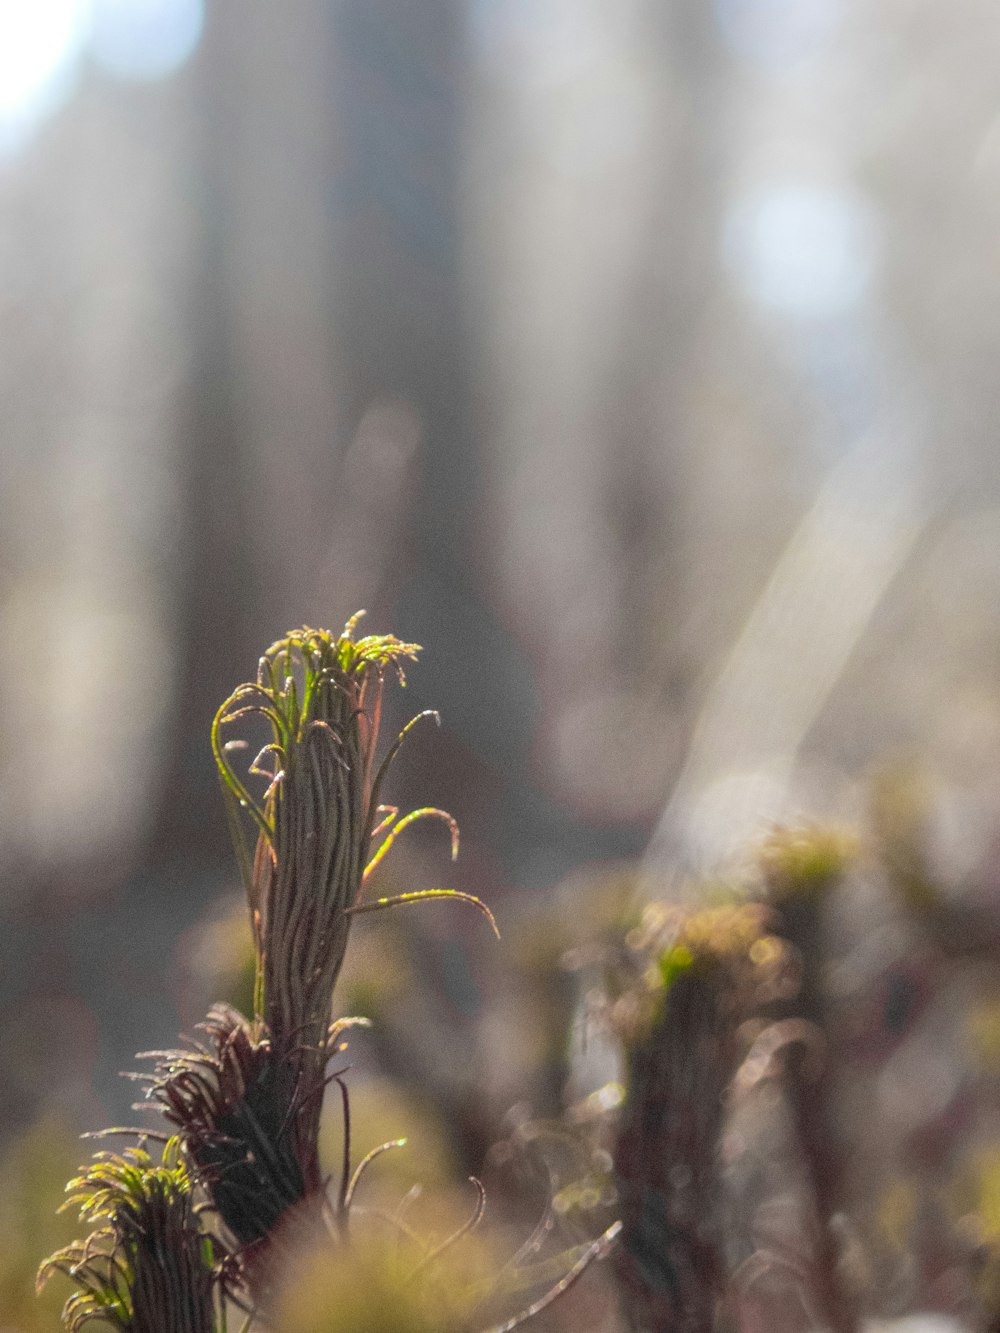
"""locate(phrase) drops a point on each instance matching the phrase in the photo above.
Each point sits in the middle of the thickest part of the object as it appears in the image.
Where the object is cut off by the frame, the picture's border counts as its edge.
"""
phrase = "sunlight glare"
(144, 39)
(804, 249)
(39, 45)
(777, 34)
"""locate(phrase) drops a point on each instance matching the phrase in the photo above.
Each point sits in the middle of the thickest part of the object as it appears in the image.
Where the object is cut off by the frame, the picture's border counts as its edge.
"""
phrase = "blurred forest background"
(635, 358)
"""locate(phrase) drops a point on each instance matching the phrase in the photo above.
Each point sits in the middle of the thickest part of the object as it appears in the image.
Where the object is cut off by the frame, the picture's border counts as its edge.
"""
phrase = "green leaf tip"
(805, 860)
(148, 1267)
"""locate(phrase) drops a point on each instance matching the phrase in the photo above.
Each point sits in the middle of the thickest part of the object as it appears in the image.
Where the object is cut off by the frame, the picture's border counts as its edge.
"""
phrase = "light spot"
(927, 1321)
(804, 250)
(144, 39)
(39, 45)
(776, 34)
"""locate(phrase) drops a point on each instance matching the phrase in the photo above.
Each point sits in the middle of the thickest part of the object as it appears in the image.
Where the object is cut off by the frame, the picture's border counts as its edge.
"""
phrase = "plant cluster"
(716, 1009)
(710, 1002)
(241, 1187)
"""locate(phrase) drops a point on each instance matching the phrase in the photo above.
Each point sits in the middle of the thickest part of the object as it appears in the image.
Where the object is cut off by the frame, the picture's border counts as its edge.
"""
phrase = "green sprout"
(244, 1095)
(147, 1268)
(317, 821)
(682, 1053)
(805, 860)
(246, 1099)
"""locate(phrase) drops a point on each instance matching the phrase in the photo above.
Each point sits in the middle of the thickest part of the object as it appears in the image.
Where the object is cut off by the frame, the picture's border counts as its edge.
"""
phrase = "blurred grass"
(33, 1176)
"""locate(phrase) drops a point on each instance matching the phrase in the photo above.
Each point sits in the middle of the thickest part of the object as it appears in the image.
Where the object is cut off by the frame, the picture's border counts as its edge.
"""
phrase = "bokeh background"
(638, 359)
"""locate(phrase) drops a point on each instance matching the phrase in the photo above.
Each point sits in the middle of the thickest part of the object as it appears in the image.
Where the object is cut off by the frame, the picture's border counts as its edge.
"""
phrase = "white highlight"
(928, 1321)
(802, 249)
(794, 646)
(40, 41)
(776, 33)
(144, 39)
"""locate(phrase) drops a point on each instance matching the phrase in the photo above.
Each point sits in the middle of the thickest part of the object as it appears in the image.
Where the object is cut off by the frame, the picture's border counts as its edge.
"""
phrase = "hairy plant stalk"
(801, 868)
(321, 698)
(679, 1066)
(232, 1104)
(147, 1268)
(246, 1096)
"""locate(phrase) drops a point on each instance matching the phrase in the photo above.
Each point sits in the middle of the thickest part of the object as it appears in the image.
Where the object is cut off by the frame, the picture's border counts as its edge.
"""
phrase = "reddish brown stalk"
(801, 867)
(680, 1063)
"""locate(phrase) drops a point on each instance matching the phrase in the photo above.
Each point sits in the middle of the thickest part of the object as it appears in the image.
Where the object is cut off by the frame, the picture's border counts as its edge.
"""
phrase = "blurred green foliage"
(33, 1177)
